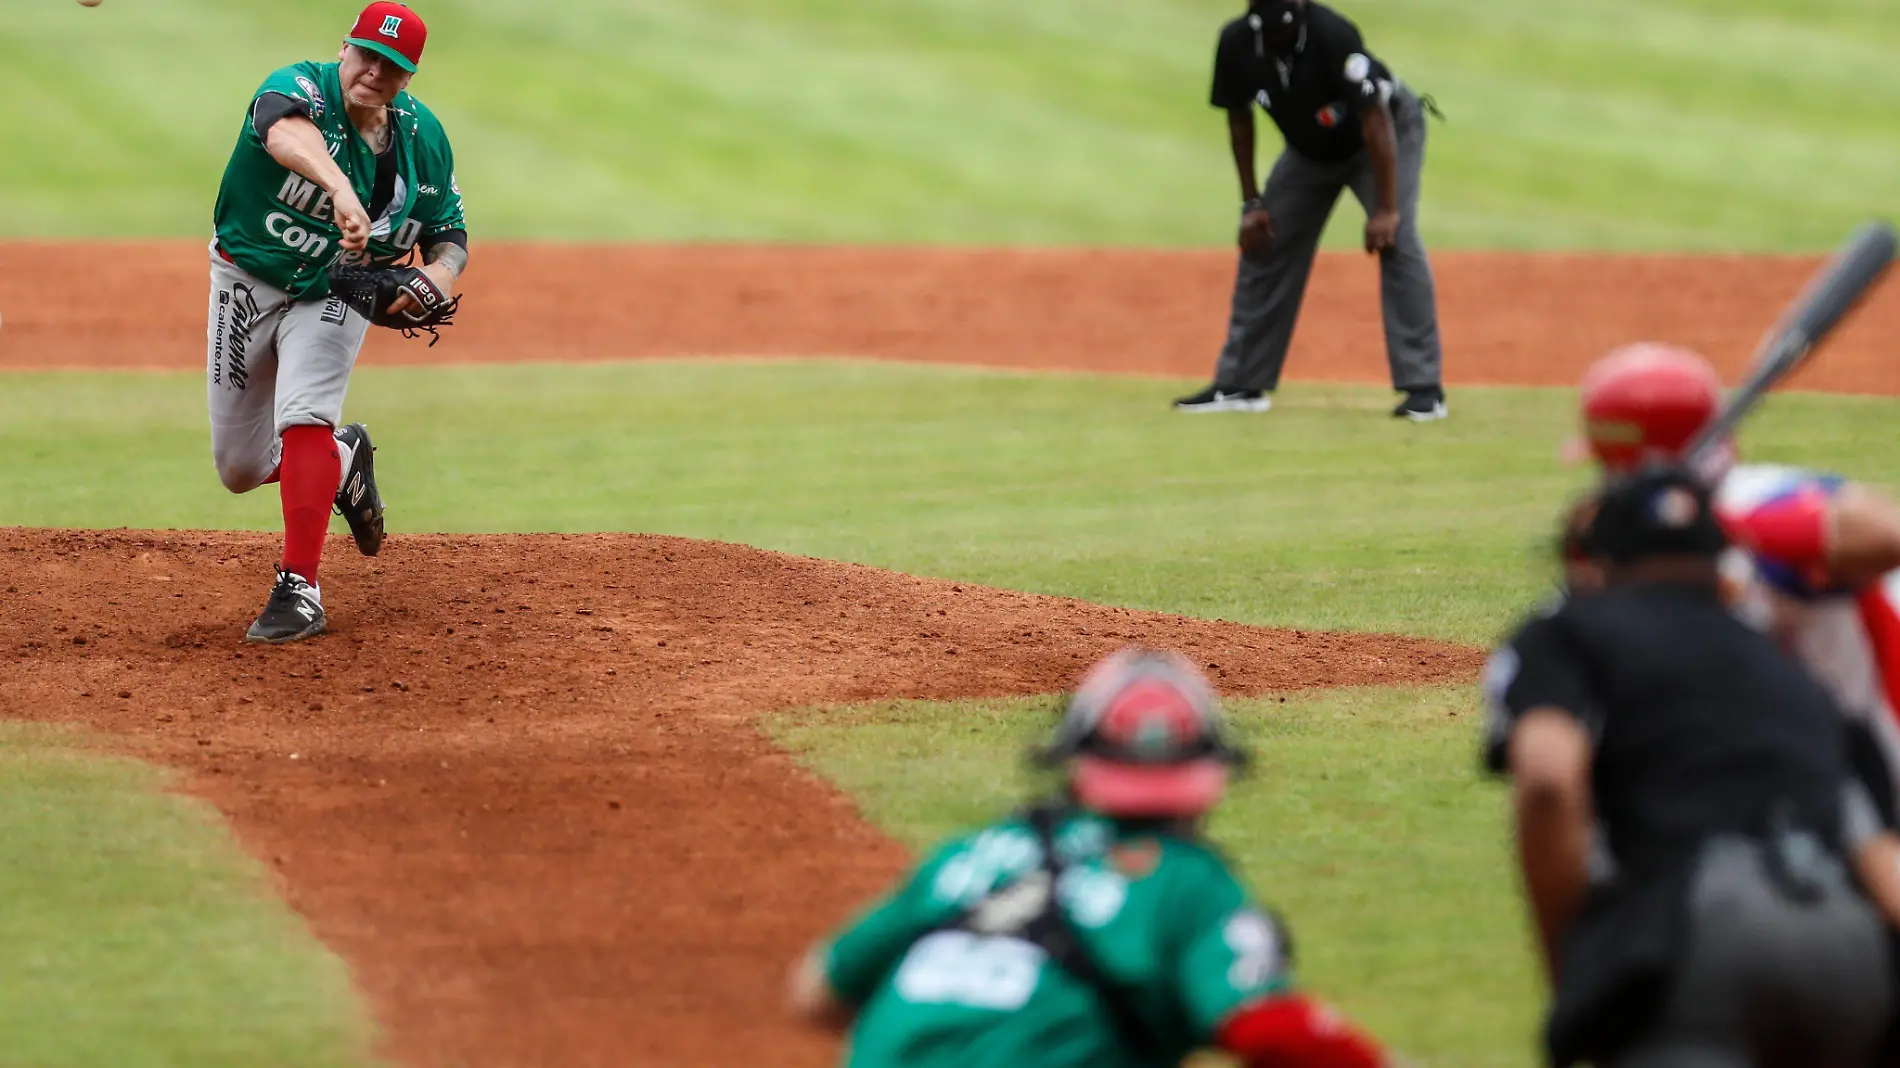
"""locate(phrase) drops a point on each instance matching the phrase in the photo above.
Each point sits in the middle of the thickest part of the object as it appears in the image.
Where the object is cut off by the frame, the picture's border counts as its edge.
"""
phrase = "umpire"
(1348, 124)
(1699, 859)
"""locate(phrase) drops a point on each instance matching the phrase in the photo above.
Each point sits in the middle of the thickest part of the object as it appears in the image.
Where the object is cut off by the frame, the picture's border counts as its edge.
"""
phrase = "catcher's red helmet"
(1144, 736)
(1646, 402)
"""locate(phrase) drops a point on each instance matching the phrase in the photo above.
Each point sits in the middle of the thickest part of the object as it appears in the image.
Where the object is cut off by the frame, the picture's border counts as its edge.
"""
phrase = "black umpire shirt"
(1314, 93)
(1700, 725)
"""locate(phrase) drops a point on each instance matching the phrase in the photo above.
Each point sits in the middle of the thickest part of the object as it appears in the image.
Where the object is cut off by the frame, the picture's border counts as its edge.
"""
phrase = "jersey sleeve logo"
(392, 26)
(1255, 946)
(1675, 508)
(313, 95)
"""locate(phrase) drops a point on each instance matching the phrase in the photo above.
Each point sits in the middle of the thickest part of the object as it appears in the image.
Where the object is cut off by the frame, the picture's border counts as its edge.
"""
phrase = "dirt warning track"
(1507, 318)
(529, 803)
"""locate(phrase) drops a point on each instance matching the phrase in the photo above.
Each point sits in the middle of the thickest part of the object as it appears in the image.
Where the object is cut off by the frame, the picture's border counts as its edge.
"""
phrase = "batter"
(1817, 560)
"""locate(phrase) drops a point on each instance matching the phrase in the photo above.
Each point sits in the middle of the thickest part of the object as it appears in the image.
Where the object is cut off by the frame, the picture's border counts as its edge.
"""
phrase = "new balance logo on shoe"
(356, 498)
(293, 613)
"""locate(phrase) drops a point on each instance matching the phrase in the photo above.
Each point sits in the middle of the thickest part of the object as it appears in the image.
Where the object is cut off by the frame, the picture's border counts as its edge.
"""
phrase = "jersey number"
(960, 968)
(407, 233)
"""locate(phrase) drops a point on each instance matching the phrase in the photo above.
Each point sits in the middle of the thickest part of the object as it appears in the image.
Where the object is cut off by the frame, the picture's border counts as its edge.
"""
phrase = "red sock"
(308, 477)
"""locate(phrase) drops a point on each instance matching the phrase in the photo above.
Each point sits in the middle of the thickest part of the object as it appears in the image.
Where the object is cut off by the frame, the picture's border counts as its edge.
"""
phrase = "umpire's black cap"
(1655, 511)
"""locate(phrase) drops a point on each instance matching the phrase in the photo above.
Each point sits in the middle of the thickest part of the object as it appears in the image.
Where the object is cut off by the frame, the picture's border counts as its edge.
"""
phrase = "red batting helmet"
(1144, 736)
(1645, 402)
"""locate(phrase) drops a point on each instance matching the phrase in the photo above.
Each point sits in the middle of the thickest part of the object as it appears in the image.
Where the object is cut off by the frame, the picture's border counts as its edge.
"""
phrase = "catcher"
(338, 175)
(1100, 930)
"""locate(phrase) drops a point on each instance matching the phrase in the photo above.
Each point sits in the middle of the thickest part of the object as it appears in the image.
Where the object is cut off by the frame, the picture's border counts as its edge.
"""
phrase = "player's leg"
(1407, 292)
(317, 344)
(1270, 283)
(358, 500)
(241, 375)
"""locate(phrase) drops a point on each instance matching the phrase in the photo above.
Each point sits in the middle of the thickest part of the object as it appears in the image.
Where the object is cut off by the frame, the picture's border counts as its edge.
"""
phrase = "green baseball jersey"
(281, 228)
(1161, 915)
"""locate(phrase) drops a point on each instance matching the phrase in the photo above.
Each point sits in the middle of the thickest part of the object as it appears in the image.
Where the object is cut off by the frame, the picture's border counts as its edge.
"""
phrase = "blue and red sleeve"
(1788, 533)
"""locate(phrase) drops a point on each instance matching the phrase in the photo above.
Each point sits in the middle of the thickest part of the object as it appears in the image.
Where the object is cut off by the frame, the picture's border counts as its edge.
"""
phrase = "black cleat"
(294, 612)
(1216, 399)
(1422, 405)
(356, 498)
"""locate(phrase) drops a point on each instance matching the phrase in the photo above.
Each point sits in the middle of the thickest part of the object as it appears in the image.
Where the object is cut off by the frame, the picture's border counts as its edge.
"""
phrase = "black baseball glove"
(371, 290)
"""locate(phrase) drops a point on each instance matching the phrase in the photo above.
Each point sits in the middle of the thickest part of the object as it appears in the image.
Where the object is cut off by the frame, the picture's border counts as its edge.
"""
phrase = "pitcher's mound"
(527, 801)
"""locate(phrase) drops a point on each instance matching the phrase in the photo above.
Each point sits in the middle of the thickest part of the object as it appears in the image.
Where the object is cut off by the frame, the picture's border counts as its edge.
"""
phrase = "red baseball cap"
(391, 30)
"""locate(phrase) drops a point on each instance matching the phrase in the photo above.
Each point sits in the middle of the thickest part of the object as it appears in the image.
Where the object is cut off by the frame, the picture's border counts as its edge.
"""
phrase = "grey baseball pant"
(271, 363)
(1270, 284)
(1769, 980)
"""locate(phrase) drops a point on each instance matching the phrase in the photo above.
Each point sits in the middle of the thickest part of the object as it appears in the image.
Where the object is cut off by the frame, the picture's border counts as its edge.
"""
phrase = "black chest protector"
(1027, 909)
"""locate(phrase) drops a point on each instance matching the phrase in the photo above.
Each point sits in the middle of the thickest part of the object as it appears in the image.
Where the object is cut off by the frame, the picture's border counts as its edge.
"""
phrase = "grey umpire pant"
(1271, 283)
(1769, 980)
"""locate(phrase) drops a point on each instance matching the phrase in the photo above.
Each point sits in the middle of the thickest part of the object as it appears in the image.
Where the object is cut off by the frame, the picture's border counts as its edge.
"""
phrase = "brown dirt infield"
(1513, 319)
(529, 801)
(530, 804)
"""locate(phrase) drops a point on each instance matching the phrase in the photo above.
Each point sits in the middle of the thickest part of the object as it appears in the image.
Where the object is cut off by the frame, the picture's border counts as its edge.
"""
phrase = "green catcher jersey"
(281, 227)
(1161, 915)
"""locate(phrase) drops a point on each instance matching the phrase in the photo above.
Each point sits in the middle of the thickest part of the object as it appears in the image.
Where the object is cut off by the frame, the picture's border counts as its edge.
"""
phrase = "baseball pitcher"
(338, 175)
(1098, 931)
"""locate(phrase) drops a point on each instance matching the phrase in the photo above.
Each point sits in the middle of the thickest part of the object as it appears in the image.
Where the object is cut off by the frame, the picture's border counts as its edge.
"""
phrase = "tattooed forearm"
(450, 255)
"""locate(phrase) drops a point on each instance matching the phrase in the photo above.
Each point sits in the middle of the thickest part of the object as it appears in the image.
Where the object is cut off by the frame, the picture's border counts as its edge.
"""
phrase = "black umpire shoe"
(1216, 399)
(356, 498)
(294, 612)
(1422, 405)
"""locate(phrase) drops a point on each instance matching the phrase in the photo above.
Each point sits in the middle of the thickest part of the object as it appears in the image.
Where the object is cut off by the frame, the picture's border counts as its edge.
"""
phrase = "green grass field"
(1370, 826)
(1324, 513)
(1628, 124)
(136, 933)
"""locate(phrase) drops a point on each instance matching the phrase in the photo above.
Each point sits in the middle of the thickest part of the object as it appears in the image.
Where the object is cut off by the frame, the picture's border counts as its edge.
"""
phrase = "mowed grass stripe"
(1324, 513)
(137, 933)
(1675, 124)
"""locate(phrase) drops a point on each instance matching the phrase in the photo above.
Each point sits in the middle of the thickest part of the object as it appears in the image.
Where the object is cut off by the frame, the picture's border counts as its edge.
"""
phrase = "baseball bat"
(1834, 291)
